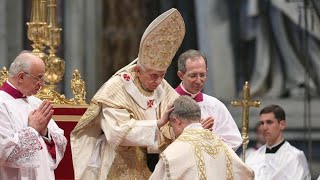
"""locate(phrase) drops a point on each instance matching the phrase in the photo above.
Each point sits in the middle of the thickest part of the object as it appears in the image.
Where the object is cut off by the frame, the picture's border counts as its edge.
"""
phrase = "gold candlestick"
(55, 65)
(37, 31)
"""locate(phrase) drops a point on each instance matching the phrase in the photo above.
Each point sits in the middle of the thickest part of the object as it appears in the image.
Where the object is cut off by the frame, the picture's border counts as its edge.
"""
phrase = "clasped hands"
(39, 118)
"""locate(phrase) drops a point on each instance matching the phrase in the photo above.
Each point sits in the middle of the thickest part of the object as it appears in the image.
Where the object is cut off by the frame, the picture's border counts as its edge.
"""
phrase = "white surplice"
(23, 152)
(224, 125)
(286, 164)
(199, 154)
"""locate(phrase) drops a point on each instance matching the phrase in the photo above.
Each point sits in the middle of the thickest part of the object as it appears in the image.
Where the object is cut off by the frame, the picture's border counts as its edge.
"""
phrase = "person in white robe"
(192, 70)
(277, 160)
(197, 153)
(31, 143)
(123, 122)
(260, 140)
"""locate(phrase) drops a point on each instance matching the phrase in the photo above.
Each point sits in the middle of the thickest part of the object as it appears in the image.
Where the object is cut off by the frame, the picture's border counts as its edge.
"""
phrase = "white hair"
(21, 63)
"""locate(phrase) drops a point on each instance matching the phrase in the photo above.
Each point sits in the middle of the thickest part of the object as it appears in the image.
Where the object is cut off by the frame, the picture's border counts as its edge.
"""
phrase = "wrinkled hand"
(165, 116)
(207, 123)
(38, 119)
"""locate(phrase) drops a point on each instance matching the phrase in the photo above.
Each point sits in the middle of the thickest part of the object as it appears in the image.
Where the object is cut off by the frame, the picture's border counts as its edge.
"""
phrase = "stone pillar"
(82, 34)
(3, 33)
(11, 27)
(214, 40)
(15, 26)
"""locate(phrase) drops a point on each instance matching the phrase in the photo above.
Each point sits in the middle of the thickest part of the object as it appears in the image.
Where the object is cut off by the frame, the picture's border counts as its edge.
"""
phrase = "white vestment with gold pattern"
(112, 138)
(199, 154)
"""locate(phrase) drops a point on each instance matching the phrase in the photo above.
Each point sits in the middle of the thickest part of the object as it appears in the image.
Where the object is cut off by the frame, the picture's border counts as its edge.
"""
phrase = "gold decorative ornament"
(245, 103)
(55, 66)
(45, 31)
(37, 28)
(4, 74)
(161, 40)
(78, 88)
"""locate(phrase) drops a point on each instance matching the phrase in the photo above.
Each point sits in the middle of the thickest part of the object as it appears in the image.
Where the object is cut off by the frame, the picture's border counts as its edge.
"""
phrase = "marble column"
(15, 26)
(3, 34)
(214, 40)
(82, 31)
(11, 31)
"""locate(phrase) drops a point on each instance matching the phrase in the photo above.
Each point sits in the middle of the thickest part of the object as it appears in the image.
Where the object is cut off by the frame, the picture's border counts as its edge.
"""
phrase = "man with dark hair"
(277, 159)
(31, 143)
(197, 153)
(192, 70)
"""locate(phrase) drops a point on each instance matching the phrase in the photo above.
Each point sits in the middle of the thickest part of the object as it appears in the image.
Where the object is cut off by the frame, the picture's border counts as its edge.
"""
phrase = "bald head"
(23, 62)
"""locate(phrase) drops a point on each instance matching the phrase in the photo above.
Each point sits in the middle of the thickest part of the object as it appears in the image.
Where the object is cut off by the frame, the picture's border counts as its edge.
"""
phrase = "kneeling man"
(197, 153)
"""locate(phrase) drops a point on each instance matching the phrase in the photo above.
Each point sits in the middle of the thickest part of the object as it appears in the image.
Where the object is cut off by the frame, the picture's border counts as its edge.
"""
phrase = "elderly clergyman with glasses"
(192, 70)
(31, 143)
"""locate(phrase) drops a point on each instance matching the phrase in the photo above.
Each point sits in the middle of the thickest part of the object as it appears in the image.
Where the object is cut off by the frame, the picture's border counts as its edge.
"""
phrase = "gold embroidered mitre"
(161, 40)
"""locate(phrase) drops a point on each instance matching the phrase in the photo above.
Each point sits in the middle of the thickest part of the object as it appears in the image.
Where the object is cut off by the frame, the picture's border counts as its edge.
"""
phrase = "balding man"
(31, 143)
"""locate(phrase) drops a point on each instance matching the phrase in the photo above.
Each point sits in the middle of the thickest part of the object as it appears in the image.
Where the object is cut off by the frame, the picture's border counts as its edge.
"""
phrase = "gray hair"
(190, 54)
(21, 63)
(187, 109)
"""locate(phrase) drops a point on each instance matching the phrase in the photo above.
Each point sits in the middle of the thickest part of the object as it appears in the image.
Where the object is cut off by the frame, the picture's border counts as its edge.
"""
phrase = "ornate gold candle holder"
(55, 65)
(37, 29)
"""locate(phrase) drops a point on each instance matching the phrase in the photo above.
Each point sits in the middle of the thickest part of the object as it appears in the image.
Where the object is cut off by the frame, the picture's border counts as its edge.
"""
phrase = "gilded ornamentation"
(55, 65)
(161, 40)
(3, 75)
(245, 104)
(37, 29)
(78, 88)
(129, 163)
(198, 139)
(42, 32)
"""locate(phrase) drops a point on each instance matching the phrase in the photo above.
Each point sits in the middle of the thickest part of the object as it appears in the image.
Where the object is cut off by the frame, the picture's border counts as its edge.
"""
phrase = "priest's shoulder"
(5, 96)
(178, 149)
(212, 100)
(167, 87)
(112, 86)
(293, 150)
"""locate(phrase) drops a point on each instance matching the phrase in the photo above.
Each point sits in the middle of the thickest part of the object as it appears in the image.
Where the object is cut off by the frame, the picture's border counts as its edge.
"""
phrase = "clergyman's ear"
(180, 75)
(20, 76)
(282, 124)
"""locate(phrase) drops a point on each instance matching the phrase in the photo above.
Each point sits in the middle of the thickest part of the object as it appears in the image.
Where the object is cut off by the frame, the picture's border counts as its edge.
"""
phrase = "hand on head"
(39, 118)
(165, 116)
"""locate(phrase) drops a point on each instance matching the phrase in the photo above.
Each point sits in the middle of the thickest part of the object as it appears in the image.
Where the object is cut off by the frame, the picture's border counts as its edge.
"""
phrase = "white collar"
(192, 95)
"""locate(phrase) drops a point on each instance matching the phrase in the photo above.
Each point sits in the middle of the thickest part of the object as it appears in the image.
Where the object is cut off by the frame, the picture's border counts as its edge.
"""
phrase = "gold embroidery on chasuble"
(130, 163)
(166, 162)
(201, 141)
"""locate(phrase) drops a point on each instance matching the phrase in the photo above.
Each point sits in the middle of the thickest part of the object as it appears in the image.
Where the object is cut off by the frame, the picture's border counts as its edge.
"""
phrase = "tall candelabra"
(55, 65)
(37, 28)
(44, 30)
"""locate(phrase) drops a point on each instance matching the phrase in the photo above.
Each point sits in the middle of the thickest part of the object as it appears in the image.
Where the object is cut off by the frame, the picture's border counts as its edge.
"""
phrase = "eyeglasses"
(39, 79)
(194, 76)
